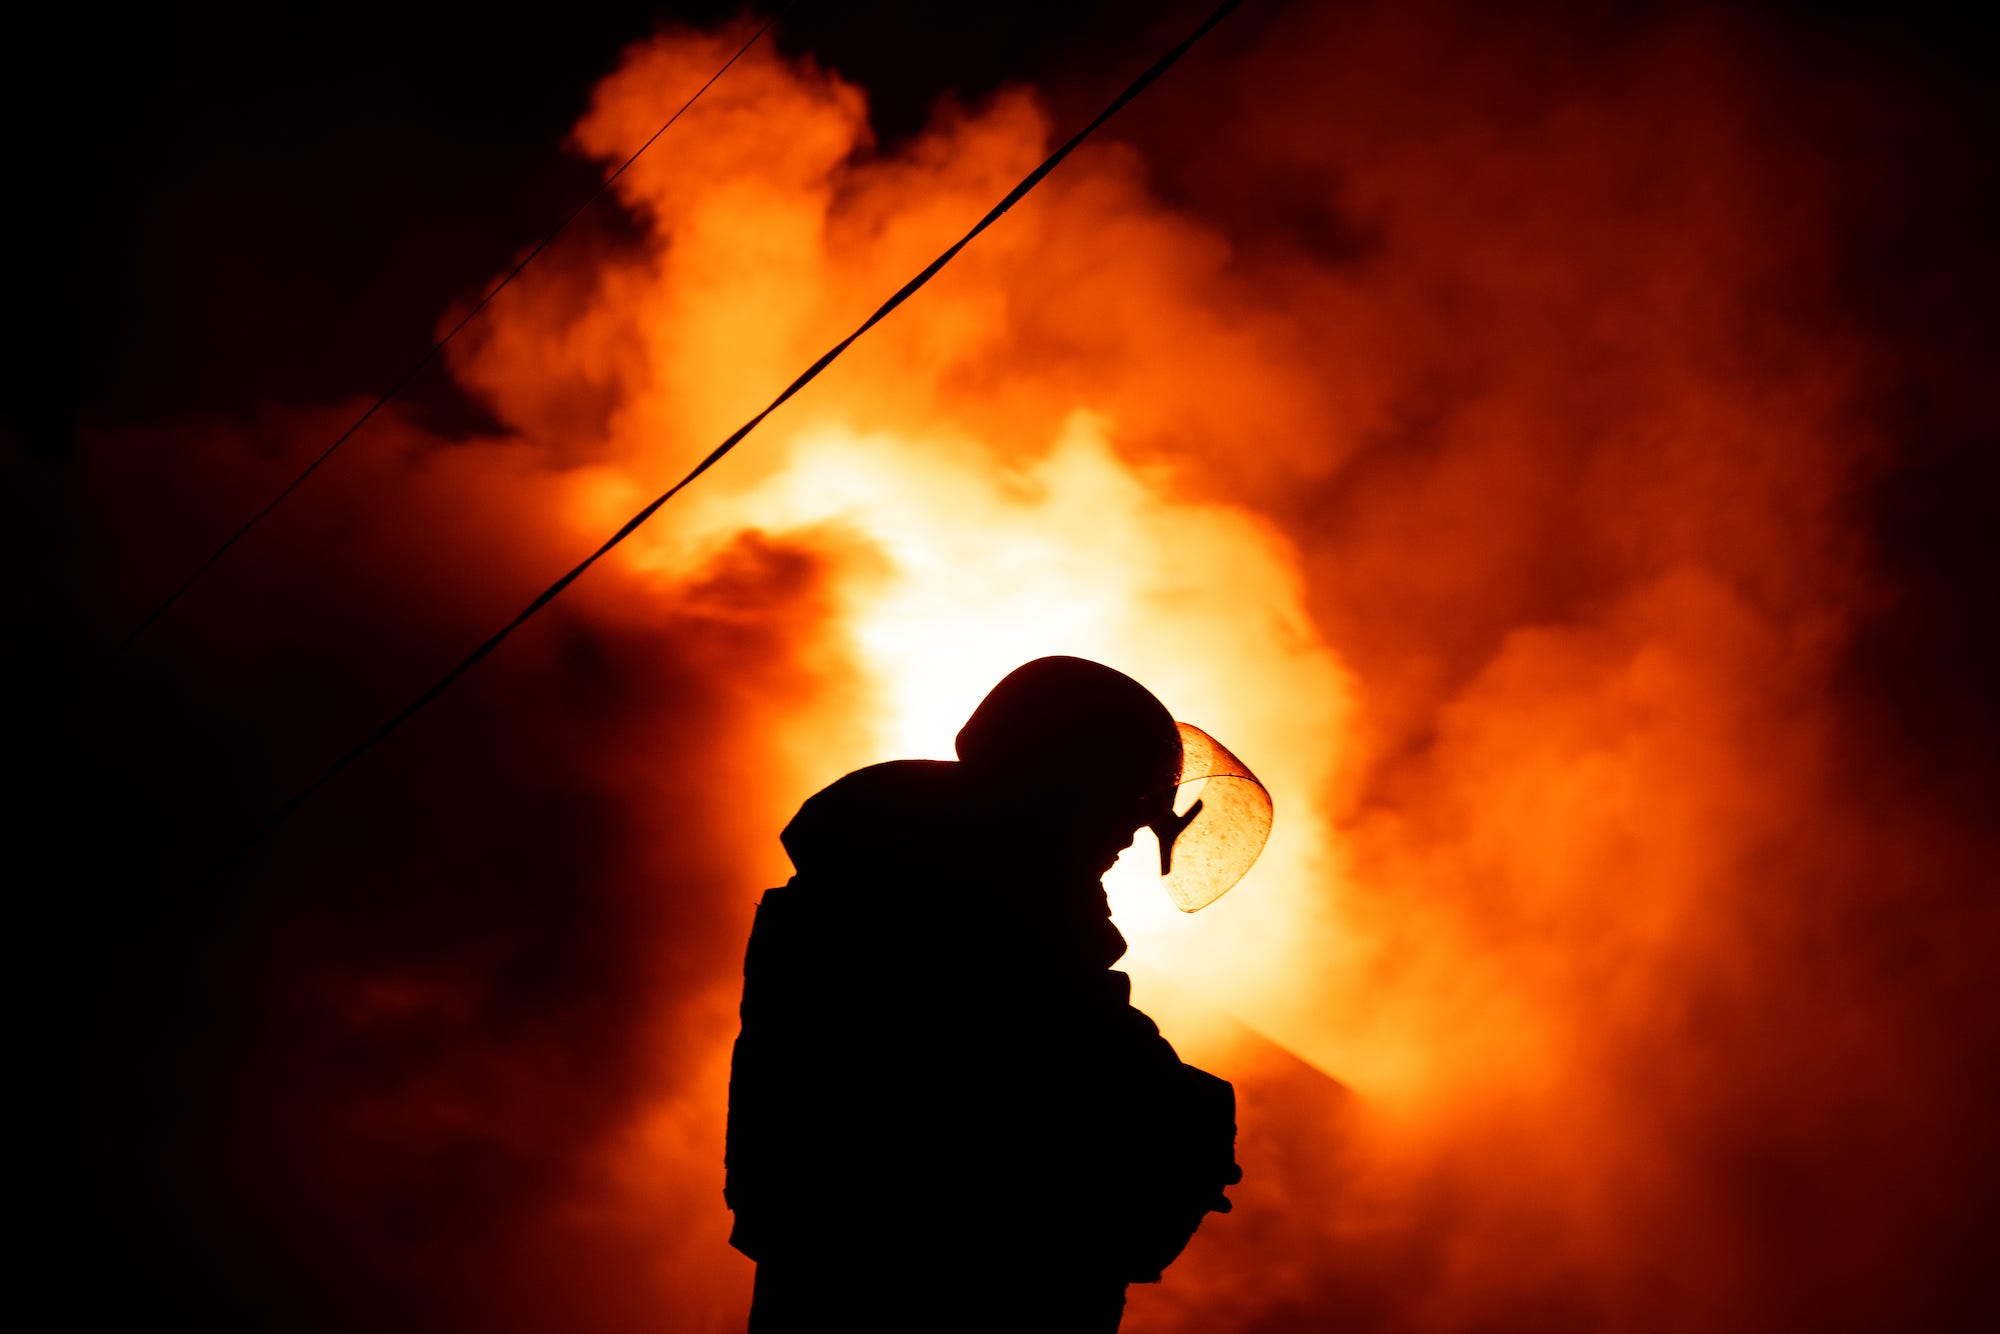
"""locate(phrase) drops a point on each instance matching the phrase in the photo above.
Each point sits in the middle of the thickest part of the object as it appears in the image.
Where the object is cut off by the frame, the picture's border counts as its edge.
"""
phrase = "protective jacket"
(944, 1112)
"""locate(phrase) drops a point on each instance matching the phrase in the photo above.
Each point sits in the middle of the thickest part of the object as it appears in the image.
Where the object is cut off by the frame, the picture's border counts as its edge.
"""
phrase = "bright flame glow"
(986, 566)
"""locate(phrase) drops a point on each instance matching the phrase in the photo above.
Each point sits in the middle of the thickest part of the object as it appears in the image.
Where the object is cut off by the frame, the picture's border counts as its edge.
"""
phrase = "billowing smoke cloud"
(1487, 428)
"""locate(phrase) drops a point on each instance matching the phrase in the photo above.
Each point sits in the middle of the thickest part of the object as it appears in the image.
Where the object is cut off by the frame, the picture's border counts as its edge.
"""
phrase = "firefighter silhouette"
(944, 1112)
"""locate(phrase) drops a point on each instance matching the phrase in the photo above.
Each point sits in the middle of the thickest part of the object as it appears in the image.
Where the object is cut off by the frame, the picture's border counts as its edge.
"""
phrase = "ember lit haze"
(1542, 450)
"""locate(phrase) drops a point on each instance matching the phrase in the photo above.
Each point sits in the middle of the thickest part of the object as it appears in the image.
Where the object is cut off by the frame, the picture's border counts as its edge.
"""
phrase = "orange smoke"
(1507, 548)
(1460, 419)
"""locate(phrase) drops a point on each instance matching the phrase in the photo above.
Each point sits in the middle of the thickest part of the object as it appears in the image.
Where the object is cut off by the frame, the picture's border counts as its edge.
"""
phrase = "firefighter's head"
(1084, 754)
(1076, 758)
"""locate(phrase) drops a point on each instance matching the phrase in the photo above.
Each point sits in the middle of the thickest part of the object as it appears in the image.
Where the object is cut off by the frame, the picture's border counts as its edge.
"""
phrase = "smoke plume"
(1542, 445)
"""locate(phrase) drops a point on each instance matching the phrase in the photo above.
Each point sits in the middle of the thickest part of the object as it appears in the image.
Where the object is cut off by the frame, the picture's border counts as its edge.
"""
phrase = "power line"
(214, 557)
(631, 525)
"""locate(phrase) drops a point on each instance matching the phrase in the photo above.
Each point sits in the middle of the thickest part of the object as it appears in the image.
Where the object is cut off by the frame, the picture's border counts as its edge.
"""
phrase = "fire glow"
(1412, 413)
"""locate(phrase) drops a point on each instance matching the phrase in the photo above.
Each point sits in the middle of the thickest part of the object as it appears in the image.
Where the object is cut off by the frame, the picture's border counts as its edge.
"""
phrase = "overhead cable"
(214, 557)
(631, 525)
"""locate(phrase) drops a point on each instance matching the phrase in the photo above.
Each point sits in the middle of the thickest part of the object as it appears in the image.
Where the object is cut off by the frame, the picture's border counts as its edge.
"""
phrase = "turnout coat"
(944, 1112)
